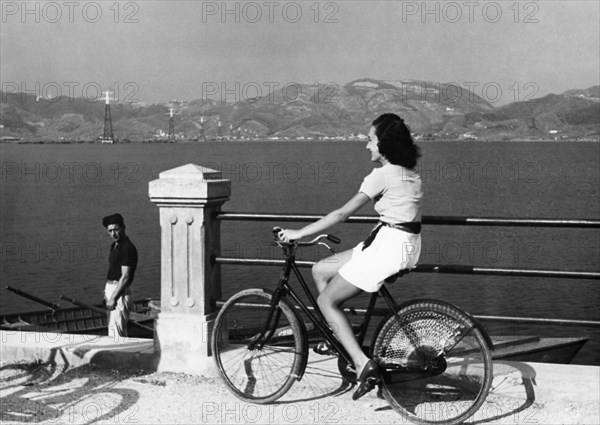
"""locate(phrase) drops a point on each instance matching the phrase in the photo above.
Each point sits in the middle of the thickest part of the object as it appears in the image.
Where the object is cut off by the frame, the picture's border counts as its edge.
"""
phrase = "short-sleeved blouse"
(396, 192)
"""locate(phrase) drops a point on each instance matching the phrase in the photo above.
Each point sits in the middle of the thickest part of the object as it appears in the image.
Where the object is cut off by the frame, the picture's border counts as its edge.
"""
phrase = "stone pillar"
(188, 198)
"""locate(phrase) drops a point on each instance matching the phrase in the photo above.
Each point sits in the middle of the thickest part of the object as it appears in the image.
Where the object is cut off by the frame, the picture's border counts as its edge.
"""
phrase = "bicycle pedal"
(323, 348)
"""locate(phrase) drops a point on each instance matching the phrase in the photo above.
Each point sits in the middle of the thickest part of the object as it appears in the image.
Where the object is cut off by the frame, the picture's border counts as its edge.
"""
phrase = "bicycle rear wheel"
(437, 364)
(256, 368)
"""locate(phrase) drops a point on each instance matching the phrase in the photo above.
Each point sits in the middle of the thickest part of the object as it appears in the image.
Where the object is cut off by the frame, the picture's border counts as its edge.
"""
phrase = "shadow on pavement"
(52, 391)
(321, 379)
(512, 394)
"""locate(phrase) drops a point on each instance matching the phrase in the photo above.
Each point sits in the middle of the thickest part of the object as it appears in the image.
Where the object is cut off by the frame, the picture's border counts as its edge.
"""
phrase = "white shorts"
(391, 251)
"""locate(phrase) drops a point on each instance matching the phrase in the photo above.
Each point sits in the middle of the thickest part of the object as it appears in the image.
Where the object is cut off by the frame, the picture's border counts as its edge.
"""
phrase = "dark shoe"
(324, 348)
(369, 378)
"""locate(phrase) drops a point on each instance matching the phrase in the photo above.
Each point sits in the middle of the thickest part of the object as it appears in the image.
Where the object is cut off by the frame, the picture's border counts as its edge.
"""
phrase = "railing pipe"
(432, 268)
(384, 311)
(435, 220)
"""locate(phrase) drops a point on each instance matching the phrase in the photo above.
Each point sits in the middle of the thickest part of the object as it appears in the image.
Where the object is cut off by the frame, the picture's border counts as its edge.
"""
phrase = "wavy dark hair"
(395, 141)
(113, 219)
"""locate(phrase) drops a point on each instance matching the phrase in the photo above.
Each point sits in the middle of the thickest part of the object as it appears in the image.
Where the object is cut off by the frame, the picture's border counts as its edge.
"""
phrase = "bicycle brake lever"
(326, 246)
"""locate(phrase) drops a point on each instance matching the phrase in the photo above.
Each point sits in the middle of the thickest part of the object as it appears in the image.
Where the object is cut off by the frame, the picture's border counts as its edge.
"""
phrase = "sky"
(155, 51)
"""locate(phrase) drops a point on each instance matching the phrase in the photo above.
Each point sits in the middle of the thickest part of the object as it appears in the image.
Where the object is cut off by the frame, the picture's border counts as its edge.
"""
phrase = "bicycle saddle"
(393, 278)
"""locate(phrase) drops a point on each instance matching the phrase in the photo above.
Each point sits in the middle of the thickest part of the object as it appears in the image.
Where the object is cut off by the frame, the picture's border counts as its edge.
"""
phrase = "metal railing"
(438, 220)
(440, 268)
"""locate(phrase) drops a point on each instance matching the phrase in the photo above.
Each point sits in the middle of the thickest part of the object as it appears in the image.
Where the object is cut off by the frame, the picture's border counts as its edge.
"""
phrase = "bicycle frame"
(316, 317)
(416, 345)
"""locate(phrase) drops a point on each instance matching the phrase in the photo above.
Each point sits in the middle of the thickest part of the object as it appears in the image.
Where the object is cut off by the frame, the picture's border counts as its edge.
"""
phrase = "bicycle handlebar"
(314, 241)
(334, 239)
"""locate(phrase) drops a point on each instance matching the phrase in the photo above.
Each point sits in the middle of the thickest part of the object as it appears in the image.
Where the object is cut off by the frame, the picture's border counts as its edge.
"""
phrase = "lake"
(53, 198)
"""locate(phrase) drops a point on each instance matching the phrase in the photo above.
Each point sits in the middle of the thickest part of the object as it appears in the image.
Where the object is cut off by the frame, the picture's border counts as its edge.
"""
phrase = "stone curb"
(73, 350)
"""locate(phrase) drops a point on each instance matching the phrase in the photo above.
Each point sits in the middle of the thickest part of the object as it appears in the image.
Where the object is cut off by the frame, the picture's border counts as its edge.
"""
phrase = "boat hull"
(538, 349)
(78, 320)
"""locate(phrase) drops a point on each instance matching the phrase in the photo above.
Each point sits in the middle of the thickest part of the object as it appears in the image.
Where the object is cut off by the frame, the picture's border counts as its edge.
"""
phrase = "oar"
(102, 311)
(24, 294)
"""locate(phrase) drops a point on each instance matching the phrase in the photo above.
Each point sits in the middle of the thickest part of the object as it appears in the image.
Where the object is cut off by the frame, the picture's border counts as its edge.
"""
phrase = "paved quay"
(73, 379)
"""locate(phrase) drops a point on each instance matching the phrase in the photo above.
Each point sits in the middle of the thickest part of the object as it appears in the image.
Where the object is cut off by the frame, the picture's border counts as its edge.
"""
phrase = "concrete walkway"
(59, 378)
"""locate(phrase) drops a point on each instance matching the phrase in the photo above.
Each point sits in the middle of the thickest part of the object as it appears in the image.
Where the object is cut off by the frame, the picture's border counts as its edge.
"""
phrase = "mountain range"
(432, 110)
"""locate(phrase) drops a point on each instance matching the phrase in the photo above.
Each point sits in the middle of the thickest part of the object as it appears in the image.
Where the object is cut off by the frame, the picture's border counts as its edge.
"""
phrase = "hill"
(432, 110)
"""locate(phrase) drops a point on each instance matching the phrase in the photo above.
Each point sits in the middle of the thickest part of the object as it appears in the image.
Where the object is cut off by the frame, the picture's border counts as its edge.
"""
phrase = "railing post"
(188, 197)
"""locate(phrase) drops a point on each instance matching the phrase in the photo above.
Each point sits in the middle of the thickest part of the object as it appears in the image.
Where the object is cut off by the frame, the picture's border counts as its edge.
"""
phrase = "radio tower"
(108, 136)
(219, 129)
(171, 125)
(202, 135)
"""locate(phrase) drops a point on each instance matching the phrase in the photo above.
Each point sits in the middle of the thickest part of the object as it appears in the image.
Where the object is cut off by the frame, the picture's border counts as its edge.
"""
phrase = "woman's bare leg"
(326, 269)
(330, 301)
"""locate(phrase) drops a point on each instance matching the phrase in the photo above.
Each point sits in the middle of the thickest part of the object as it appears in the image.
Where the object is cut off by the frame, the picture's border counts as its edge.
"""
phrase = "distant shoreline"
(128, 142)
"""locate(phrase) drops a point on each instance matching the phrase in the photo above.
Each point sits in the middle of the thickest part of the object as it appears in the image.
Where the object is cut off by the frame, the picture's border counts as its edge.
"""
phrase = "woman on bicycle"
(393, 245)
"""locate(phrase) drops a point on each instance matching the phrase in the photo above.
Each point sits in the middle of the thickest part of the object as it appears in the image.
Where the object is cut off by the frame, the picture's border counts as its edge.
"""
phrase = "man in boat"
(122, 262)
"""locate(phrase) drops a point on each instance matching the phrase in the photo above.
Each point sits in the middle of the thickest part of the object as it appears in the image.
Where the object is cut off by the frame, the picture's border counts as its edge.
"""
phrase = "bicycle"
(435, 358)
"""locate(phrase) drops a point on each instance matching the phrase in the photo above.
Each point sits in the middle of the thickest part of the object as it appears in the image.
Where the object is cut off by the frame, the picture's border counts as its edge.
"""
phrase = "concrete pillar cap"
(191, 171)
(189, 184)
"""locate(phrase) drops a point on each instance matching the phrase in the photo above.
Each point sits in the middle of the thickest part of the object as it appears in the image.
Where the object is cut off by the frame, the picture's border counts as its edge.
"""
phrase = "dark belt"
(413, 227)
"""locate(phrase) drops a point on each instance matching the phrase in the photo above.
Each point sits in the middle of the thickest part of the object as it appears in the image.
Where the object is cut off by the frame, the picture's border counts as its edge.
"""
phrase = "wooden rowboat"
(537, 349)
(80, 319)
(77, 320)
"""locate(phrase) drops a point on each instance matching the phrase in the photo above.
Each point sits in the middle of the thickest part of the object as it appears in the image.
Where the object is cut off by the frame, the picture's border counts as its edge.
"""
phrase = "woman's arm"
(337, 216)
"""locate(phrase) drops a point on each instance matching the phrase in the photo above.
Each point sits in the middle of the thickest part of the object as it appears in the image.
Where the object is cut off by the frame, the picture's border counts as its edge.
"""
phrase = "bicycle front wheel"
(436, 361)
(258, 354)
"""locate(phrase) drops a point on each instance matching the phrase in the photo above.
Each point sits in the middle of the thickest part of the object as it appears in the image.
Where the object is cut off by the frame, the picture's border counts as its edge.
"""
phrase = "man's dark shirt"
(123, 253)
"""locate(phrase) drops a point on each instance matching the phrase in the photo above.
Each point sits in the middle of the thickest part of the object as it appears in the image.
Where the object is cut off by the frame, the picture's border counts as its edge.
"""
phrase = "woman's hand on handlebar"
(288, 235)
